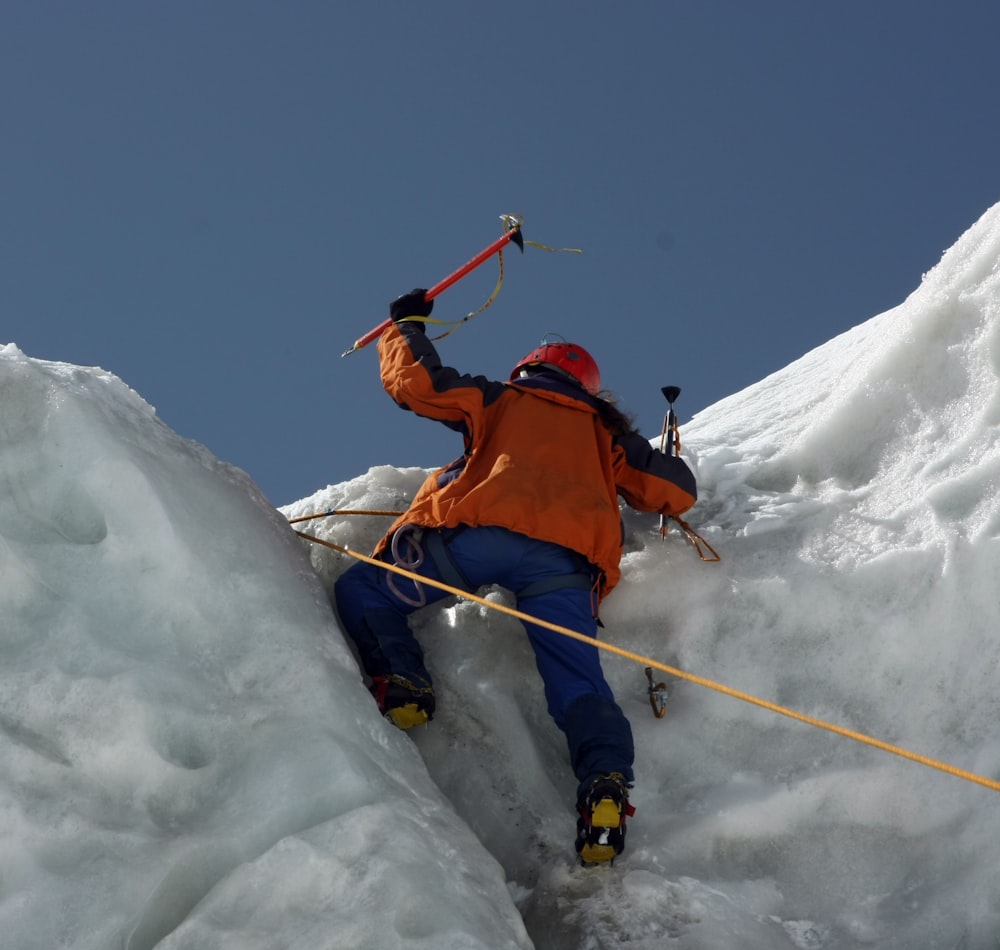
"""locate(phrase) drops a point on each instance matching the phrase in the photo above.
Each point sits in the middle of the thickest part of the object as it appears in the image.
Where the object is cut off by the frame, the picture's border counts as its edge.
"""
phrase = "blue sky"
(213, 200)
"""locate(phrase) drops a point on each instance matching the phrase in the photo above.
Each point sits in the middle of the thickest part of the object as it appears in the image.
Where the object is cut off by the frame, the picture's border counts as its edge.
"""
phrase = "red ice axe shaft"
(513, 233)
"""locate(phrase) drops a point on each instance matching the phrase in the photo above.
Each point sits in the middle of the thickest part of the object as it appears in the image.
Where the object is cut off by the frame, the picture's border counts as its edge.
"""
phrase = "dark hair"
(615, 420)
(605, 402)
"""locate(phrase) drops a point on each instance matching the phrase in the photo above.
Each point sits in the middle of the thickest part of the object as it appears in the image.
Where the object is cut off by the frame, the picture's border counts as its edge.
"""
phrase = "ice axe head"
(670, 425)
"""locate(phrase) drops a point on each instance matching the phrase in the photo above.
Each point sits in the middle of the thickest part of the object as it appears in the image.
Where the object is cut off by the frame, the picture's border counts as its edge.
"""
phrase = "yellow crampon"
(408, 716)
(608, 817)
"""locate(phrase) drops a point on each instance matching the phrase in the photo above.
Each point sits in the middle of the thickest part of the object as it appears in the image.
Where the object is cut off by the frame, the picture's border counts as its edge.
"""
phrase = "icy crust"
(851, 498)
(189, 757)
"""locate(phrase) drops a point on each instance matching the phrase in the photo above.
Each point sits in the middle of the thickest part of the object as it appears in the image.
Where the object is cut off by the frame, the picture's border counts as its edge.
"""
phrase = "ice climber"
(532, 506)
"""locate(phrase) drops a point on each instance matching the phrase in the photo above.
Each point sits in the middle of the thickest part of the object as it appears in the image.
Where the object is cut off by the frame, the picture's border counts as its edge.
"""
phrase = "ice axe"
(512, 234)
(705, 551)
(670, 393)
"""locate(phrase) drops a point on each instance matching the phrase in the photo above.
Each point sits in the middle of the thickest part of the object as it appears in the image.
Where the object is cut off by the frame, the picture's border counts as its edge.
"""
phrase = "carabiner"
(657, 695)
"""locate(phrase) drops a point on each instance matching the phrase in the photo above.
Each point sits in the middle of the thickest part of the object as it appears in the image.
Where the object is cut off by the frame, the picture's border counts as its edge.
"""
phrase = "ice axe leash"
(672, 433)
(512, 235)
(671, 670)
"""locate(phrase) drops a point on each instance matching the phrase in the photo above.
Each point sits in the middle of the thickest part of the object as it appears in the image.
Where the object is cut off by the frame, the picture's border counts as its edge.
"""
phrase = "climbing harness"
(652, 664)
(512, 234)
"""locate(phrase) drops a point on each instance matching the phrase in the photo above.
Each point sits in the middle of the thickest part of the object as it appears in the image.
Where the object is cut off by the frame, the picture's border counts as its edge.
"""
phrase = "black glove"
(412, 304)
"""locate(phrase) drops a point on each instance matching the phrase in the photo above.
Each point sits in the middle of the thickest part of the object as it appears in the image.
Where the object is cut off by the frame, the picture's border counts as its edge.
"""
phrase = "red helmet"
(571, 359)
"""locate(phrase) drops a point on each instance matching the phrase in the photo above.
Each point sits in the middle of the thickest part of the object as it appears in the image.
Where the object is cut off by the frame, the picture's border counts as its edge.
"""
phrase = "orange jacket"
(538, 459)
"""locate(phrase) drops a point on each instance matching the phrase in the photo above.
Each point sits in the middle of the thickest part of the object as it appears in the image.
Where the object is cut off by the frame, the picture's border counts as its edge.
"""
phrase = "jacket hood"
(556, 387)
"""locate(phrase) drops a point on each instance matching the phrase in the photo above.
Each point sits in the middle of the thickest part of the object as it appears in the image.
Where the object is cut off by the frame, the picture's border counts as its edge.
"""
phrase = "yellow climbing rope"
(343, 511)
(673, 671)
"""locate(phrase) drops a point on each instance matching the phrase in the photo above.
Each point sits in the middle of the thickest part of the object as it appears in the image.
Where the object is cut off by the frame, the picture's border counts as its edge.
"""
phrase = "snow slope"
(189, 759)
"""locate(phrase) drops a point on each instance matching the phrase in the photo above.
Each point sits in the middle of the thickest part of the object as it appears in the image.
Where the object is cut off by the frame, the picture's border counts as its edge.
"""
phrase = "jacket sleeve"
(650, 480)
(413, 376)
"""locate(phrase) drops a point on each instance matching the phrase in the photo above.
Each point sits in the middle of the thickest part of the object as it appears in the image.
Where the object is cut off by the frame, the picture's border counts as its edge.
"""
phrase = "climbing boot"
(600, 829)
(402, 701)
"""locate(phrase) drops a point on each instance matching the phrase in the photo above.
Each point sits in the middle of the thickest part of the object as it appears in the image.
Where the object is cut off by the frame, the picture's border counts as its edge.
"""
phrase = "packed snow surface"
(189, 757)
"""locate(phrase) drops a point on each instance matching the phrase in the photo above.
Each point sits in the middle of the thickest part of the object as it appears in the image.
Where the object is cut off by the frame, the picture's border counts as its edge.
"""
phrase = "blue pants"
(550, 582)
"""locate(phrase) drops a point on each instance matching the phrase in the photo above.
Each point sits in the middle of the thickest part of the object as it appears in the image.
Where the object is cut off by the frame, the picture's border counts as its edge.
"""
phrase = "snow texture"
(189, 757)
